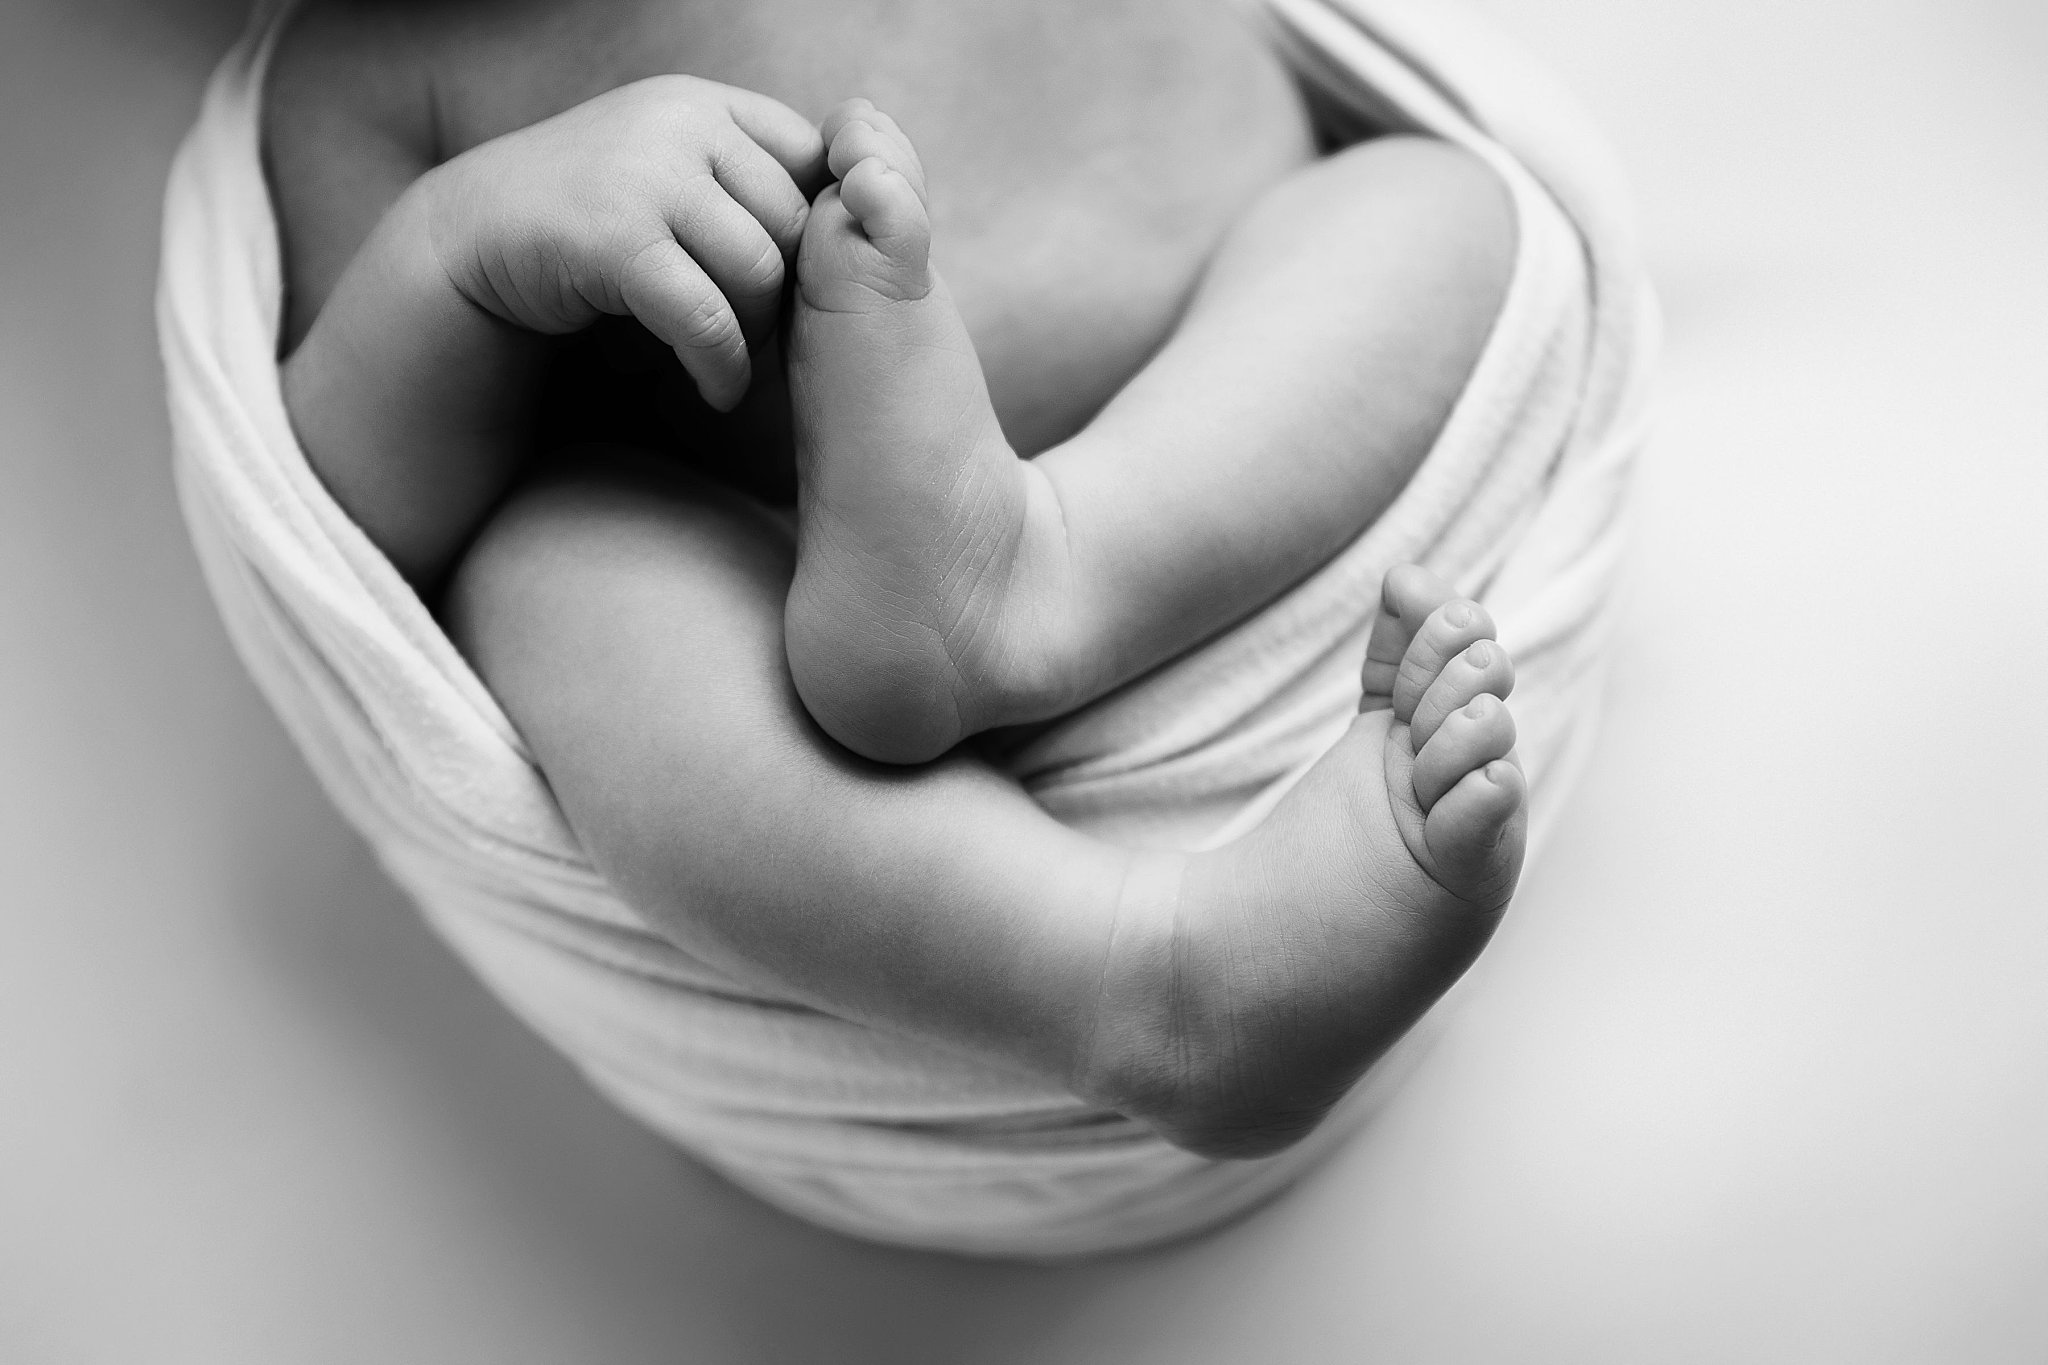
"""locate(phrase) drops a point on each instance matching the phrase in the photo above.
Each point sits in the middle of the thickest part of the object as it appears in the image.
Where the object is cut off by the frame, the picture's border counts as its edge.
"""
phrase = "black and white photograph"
(1080, 682)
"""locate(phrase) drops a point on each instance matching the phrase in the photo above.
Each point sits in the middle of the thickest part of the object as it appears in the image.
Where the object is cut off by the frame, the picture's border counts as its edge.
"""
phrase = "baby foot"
(1434, 663)
(868, 243)
(910, 500)
(1253, 985)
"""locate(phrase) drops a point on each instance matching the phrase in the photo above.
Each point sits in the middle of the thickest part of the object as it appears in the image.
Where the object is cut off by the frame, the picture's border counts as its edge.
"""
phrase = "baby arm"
(673, 199)
(945, 586)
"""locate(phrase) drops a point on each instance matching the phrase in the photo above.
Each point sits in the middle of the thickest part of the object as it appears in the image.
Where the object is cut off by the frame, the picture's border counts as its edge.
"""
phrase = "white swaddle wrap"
(888, 1137)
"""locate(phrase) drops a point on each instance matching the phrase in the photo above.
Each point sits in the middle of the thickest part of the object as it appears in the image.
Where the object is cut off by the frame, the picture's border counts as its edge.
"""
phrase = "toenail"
(1459, 614)
(1480, 655)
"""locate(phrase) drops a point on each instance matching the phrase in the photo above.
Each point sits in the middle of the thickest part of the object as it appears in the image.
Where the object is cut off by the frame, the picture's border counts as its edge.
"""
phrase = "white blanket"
(1521, 503)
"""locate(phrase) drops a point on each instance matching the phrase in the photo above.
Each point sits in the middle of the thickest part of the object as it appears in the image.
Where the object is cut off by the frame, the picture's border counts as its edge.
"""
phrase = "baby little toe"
(1481, 668)
(1469, 738)
(857, 130)
(1408, 596)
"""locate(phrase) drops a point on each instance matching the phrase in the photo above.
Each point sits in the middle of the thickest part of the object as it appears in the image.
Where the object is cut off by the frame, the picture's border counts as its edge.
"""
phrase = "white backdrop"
(1757, 1072)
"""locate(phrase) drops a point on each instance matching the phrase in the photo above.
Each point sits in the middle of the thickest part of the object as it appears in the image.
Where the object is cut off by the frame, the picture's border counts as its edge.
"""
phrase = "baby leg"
(912, 502)
(944, 586)
(1281, 979)
(629, 618)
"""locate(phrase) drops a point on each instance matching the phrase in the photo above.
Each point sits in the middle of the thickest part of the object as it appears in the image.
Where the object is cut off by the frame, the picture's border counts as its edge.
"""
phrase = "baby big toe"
(1475, 834)
(1482, 668)
(1470, 738)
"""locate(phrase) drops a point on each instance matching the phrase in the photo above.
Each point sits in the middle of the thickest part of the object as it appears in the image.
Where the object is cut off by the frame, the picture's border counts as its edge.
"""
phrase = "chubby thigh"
(1332, 336)
(629, 617)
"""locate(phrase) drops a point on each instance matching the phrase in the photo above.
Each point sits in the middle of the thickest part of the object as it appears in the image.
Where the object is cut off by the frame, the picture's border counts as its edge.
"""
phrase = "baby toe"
(1476, 832)
(888, 210)
(857, 131)
(1446, 634)
(1408, 596)
(840, 115)
(1474, 735)
(1482, 668)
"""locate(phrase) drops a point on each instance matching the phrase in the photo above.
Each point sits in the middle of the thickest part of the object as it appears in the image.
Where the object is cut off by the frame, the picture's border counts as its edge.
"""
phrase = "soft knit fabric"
(1520, 503)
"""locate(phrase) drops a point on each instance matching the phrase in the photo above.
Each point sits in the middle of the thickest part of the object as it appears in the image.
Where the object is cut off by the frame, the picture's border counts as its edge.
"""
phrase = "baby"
(1277, 341)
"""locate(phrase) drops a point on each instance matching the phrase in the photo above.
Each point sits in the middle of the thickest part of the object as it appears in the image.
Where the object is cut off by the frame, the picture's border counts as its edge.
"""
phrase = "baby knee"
(1458, 207)
(1438, 207)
